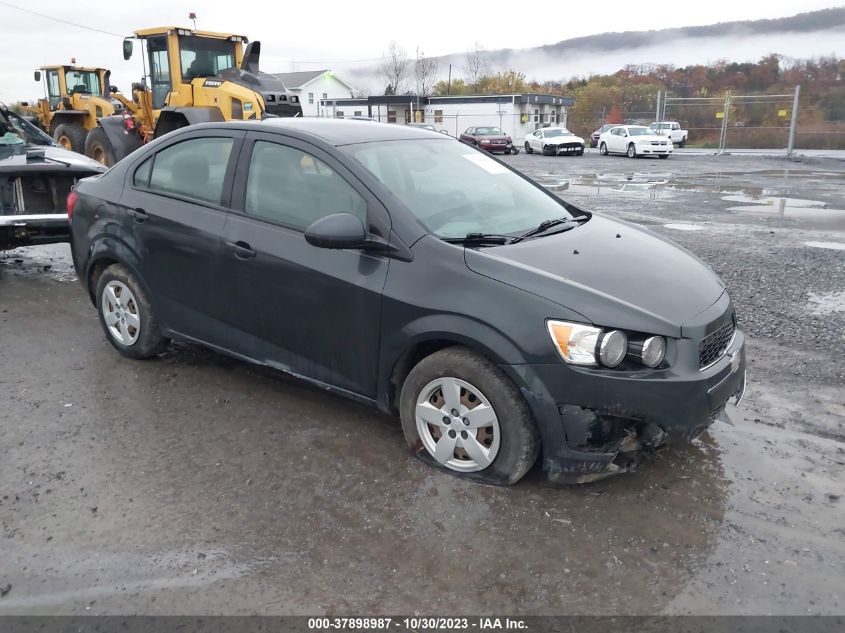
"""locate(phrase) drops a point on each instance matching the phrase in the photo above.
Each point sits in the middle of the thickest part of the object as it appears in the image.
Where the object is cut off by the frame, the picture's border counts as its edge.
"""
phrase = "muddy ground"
(198, 484)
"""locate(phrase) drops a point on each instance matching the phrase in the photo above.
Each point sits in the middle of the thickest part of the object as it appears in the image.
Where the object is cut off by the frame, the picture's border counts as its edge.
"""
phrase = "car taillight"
(71, 202)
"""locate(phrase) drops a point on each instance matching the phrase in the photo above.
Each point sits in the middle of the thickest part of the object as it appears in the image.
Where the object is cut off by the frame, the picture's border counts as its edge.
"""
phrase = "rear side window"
(195, 168)
(141, 179)
(290, 187)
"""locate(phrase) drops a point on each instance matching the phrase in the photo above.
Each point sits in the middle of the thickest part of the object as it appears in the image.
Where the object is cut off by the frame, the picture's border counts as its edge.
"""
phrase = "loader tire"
(99, 147)
(71, 136)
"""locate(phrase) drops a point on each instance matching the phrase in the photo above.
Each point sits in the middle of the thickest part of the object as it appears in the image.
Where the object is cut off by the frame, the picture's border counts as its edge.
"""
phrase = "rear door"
(175, 205)
(314, 312)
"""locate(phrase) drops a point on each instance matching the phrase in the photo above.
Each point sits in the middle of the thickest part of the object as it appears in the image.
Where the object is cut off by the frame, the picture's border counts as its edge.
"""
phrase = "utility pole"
(449, 84)
(790, 147)
(657, 111)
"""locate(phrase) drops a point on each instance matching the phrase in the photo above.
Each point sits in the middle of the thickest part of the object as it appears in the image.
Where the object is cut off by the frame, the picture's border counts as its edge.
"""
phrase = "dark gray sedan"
(409, 271)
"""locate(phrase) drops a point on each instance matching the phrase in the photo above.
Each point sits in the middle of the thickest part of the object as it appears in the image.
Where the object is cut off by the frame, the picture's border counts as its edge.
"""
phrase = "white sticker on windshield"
(486, 163)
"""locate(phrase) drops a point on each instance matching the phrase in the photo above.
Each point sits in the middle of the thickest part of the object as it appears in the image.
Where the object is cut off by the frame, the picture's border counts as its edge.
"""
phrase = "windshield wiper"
(480, 239)
(545, 225)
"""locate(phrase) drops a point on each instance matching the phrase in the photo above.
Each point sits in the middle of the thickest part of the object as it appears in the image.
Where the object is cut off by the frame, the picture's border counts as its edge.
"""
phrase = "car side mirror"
(339, 230)
(127, 48)
(37, 75)
(626, 135)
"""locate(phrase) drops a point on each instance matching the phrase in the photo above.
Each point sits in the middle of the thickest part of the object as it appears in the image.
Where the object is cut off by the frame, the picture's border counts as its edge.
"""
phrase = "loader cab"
(177, 57)
(61, 82)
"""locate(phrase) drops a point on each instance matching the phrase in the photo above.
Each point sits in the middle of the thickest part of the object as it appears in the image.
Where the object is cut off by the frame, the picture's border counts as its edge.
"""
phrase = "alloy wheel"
(457, 425)
(120, 313)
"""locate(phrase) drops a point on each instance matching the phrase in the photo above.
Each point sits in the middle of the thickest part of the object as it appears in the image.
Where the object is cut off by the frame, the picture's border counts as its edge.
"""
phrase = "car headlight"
(649, 352)
(613, 346)
(576, 343)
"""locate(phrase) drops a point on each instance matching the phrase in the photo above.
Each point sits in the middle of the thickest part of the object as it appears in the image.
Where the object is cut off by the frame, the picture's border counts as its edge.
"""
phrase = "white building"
(312, 86)
(516, 114)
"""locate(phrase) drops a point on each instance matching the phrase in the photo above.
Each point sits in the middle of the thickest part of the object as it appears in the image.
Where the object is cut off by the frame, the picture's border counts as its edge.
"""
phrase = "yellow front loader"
(75, 97)
(190, 77)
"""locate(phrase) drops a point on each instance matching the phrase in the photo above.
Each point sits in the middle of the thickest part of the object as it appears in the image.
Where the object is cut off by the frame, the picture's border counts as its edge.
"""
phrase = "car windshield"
(638, 131)
(488, 131)
(14, 130)
(556, 132)
(204, 56)
(605, 128)
(661, 126)
(454, 190)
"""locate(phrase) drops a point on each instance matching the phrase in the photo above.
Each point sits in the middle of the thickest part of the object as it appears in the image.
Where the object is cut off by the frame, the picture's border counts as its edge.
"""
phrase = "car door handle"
(242, 250)
(139, 215)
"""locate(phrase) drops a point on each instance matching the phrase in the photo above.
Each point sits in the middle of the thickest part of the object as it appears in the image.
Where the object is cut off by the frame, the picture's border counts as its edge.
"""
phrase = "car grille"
(714, 345)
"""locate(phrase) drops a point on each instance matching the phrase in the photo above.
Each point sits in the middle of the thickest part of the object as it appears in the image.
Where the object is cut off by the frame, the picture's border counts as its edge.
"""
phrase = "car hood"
(22, 157)
(558, 140)
(647, 138)
(612, 272)
(496, 137)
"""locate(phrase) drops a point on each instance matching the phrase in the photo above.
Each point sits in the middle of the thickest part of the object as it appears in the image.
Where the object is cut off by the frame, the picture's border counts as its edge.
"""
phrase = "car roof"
(337, 131)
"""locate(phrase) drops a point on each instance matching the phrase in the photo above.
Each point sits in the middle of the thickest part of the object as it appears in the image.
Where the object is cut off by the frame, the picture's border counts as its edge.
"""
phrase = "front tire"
(126, 315)
(99, 147)
(528, 148)
(664, 156)
(603, 149)
(461, 414)
(632, 151)
(71, 136)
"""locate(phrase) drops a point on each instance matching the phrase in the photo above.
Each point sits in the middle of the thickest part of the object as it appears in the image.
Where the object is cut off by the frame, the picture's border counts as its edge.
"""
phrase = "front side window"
(454, 190)
(290, 187)
(204, 56)
(195, 168)
(82, 82)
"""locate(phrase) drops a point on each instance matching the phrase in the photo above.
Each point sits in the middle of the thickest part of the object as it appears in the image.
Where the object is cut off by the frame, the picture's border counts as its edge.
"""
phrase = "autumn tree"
(476, 64)
(425, 71)
(394, 68)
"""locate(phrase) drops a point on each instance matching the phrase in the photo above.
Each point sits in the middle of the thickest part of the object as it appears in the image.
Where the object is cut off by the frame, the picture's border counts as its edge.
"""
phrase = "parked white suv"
(672, 129)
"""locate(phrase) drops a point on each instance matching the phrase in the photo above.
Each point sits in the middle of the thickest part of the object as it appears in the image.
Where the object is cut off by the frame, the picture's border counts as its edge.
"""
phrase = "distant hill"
(809, 22)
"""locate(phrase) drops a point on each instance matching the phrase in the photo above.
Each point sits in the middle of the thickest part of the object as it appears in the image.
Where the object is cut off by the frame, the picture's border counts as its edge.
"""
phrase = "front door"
(311, 311)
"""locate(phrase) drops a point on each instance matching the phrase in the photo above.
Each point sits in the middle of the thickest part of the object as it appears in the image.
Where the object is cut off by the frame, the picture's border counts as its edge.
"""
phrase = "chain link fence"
(745, 121)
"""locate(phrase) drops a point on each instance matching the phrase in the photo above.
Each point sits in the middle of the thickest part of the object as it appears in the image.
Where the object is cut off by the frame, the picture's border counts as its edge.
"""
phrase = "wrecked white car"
(36, 175)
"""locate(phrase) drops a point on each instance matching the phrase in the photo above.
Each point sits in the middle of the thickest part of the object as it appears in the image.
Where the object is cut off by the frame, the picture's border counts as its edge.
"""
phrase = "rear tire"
(99, 147)
(71, 136)
(126, 315)
(508, 437)
(528, 148)
(603, 149)
(683, 142)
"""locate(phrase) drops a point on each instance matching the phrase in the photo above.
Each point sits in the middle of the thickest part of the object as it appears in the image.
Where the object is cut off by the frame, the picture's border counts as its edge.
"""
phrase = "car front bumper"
(654, 149)
(596, 423)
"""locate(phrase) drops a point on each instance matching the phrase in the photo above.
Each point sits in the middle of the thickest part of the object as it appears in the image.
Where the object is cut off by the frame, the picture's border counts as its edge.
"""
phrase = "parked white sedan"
(634, 140)
(553, 141)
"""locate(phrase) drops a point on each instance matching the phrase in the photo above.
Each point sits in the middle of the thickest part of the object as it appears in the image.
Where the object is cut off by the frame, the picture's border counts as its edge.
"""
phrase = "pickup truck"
(36, 176)
(672, 129)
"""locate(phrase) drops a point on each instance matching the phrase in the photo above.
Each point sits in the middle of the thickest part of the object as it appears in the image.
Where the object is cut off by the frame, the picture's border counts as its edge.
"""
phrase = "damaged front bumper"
(595, 424)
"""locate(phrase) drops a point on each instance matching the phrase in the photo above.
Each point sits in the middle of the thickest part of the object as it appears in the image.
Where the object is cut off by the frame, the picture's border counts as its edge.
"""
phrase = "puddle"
(824, 304)
(775, 201)
(834, 246)
(680, 226)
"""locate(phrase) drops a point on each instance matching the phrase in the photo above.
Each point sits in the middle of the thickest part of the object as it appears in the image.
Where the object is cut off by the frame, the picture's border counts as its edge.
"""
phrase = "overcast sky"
(325, 33)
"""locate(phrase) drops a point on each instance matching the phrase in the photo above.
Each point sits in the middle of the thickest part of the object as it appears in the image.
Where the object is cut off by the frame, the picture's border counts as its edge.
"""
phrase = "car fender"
(448, 329)
(107, 246)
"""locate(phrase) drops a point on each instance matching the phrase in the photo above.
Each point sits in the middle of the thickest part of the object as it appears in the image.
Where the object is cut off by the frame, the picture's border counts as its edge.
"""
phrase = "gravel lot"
(198, 484)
